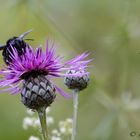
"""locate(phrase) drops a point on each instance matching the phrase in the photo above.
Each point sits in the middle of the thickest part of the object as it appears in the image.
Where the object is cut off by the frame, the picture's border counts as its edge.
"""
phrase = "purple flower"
(78, 63)
(36, 62)
(78, 66)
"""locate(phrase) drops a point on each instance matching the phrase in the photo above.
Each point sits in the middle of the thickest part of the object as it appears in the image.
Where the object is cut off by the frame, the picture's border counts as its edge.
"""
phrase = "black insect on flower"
(16, 42)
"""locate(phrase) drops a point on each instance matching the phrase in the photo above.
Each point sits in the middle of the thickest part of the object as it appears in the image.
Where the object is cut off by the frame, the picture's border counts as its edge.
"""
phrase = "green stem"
(75, 109)
(42, 116)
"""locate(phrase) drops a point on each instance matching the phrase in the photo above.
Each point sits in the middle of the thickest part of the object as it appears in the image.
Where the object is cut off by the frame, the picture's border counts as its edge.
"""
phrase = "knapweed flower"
(80, 81)
(77, 83)
(32, 73)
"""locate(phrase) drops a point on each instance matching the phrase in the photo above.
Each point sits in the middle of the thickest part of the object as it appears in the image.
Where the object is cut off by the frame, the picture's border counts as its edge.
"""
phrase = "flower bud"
(79, 82)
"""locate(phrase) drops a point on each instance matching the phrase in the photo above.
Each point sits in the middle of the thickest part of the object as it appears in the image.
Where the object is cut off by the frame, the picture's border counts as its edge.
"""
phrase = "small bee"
(16, 42)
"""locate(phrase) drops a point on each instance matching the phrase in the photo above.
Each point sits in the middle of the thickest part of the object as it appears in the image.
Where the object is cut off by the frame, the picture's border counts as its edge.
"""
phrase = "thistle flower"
(80, 81)
(77, 83)
(34, 71)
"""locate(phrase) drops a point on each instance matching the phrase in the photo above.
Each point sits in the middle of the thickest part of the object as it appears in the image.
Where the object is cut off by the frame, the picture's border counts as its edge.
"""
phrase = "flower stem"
(42, 116)
(75, 109)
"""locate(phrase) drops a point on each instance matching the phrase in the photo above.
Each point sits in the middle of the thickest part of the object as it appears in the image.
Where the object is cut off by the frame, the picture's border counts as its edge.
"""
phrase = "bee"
(16, 42)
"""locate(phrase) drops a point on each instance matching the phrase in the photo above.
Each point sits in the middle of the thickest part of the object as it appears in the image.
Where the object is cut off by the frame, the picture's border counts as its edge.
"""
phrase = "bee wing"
(2, 47)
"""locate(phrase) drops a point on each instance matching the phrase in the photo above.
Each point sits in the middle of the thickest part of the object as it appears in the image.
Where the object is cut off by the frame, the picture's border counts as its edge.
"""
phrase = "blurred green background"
(109, 109)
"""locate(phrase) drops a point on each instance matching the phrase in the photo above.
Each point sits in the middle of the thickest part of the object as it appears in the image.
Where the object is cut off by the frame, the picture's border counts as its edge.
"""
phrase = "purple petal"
(64, 94)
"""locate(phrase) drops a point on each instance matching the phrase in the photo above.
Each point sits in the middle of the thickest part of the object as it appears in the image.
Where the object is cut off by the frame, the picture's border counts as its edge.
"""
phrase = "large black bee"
(16, 42)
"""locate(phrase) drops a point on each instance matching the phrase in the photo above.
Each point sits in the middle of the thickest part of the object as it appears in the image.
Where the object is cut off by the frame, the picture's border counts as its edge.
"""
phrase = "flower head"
(34, 71)
(80, 81)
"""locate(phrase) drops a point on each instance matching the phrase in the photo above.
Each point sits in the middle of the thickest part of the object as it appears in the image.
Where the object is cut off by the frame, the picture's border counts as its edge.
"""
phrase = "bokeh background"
(109, 109)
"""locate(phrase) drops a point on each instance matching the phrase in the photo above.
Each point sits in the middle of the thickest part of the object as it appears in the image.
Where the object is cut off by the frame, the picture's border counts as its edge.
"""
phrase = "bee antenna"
(2, 47)
(30, 39)
(24, 34)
